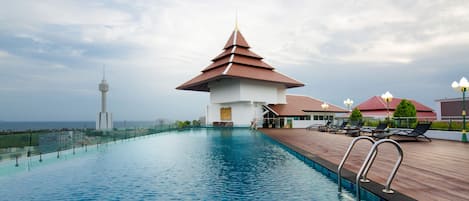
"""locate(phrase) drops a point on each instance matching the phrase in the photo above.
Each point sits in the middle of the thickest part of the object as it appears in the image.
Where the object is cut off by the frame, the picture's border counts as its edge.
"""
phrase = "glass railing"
(451, 124)
(20, 144)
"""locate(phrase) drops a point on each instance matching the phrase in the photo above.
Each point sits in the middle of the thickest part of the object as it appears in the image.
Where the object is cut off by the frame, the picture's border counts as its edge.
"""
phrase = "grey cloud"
(352, 49)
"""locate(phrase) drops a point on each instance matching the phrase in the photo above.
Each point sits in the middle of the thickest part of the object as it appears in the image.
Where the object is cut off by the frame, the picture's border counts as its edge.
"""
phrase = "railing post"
(450, 123)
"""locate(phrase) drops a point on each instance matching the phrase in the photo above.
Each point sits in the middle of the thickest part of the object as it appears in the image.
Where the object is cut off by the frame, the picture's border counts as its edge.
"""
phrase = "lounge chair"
(381, 128)
(336, 129)
(325, 127)
(316, 126)
(354, 130)
(418, 131)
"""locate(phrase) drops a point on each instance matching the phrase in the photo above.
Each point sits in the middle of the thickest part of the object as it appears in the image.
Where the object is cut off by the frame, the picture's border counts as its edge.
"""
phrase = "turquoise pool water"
(198, 164)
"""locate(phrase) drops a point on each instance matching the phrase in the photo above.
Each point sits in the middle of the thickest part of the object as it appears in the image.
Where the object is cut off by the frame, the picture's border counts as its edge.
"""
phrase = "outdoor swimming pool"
(197, 164)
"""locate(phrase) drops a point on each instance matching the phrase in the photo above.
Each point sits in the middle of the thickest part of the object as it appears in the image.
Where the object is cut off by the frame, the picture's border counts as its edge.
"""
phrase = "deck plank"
(437, 170)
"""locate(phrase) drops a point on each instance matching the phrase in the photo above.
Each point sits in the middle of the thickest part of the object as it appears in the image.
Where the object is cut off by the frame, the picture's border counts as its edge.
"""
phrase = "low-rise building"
(300, 112)
(376, 107)
(450, 109)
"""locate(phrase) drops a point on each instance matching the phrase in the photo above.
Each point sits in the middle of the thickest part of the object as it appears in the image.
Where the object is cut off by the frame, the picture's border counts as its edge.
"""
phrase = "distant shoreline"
(18, 126)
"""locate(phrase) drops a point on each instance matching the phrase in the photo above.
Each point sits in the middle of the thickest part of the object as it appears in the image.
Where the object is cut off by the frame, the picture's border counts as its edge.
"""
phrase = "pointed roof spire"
(236, 21)
(238, 62)
(236, 38)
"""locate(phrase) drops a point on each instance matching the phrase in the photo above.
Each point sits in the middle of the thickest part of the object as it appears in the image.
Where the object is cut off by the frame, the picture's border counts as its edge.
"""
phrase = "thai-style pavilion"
(241, 85)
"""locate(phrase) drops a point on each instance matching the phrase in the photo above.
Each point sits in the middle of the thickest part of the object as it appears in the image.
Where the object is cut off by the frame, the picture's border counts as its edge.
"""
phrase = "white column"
(103, 101)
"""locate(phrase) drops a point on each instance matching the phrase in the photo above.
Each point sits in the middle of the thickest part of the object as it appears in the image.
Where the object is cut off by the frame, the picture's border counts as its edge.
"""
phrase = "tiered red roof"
(376, 107)
(237, 61)
(298, 105)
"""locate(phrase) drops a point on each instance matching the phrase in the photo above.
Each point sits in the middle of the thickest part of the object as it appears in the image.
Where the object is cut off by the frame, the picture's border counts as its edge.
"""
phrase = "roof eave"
(327, 111)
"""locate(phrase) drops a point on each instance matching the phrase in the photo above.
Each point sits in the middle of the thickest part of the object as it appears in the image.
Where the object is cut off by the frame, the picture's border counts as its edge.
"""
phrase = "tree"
(405, 112)
(183, 124)
(196, 123)
(356, 115)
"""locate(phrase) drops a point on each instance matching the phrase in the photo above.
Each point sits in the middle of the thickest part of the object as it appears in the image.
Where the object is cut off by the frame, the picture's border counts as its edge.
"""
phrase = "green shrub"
(405, 114)
(18, 140)
(371, 123)
(448, 125)
(356, 115)
(183, 124)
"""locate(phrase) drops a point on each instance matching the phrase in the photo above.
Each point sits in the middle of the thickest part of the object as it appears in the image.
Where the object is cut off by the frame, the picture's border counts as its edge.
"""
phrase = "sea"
(41, 125)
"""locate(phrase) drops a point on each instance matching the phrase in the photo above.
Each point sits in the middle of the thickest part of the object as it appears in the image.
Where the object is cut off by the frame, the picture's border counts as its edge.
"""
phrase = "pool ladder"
(362, 173)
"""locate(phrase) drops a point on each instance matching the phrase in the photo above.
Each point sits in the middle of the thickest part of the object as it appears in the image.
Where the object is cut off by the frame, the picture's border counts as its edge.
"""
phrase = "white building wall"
(213, 113)
(242, 113)
(312, 122)
(258, 91)
(245, 97)
(307, 123)
(303, 123)
(281, 95)
(224, 91)
(234, 90)
(438, 111)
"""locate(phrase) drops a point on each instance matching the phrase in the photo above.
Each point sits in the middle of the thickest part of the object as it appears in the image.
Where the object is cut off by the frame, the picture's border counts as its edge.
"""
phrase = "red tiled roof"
(240, 60)
(376, 103)
(297, 106)
(200, 82)
(376, 107)
(236, 39)
(237, 61)
(238, 51)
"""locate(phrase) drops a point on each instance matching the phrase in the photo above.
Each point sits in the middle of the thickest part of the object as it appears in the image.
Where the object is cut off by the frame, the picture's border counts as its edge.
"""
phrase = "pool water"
(197, 164)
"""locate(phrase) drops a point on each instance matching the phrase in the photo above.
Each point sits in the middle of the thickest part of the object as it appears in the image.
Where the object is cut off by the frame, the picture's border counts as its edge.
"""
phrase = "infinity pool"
(198, 164)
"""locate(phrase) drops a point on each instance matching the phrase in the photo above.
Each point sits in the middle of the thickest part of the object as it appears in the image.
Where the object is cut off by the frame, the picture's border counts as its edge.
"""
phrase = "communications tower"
(104, 121)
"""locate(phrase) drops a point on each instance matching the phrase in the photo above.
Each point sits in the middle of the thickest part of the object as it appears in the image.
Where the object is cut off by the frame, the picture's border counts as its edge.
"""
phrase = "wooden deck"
(437, 170)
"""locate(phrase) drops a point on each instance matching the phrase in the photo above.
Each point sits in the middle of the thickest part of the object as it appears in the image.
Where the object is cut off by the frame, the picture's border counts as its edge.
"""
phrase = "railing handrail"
(347, 153)
(369, 161)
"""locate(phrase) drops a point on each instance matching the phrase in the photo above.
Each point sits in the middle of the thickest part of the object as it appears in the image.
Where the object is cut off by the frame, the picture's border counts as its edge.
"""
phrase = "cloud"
(57, 48)
(4, 54)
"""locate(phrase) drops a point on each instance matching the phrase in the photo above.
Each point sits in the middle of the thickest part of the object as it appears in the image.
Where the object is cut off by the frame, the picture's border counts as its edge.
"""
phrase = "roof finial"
(104, 71)
(236, 21)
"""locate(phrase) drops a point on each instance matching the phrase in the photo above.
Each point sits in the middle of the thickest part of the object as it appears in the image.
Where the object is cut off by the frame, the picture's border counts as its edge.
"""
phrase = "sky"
(52, 52)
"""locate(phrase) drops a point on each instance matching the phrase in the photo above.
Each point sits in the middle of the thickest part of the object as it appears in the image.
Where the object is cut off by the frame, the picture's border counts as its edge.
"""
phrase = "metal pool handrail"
(369, 161)
(341, 165)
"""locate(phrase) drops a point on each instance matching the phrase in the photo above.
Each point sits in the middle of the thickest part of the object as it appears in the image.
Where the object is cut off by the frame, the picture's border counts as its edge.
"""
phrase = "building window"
(316, 117)
(225, 114)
